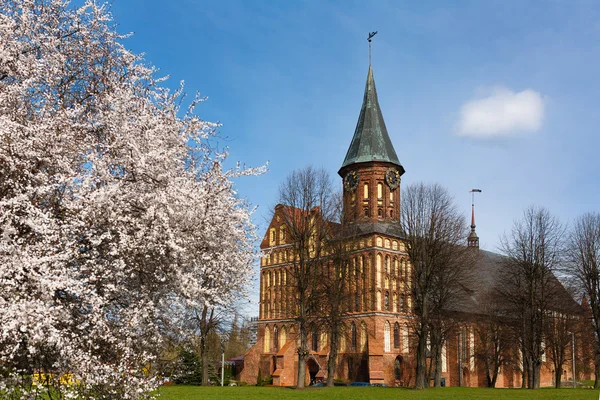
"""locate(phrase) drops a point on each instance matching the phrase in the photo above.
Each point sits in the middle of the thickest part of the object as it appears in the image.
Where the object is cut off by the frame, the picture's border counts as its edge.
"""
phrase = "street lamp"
(573, 358)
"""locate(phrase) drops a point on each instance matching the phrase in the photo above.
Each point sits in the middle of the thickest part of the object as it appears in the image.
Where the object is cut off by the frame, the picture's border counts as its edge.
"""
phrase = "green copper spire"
(371, 141)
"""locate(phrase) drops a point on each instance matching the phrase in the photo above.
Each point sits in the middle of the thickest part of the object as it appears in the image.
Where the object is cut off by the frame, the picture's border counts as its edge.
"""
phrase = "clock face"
(392, 178)
(351, 181)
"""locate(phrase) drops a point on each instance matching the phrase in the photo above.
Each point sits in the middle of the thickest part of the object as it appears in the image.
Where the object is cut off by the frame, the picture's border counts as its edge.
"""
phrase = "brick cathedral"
(378, 346)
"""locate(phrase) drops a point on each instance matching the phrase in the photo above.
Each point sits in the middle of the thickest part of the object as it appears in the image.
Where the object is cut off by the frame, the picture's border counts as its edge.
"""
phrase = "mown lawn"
(358, 393)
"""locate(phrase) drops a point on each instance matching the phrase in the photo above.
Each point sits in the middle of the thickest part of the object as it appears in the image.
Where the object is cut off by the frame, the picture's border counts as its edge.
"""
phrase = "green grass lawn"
(358, 393)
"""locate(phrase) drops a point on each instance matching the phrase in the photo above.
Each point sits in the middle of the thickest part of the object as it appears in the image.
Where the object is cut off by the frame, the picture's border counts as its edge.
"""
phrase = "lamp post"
(222, 361)
(573, 358)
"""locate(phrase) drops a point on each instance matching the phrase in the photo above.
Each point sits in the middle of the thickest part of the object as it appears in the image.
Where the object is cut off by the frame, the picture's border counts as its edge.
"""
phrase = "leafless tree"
(309, 206)
(583, 256)
(495, 338)
(435, 231)
(533, 250)
(558, 327)
(338, 286)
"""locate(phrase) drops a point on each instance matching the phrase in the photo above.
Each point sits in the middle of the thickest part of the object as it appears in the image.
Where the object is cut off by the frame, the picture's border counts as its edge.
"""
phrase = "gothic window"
(395, 268)
(395, 302)
(275, 338)
(387, 301)
(353, 337)
(387, 265)
(273, 237)
(386, 337)
(378, 271)
(398, 369)
(363, 336)
(464, 344)
(267, 340)
(396, 336)
(282, 235)
(401, 304)
(405, 338)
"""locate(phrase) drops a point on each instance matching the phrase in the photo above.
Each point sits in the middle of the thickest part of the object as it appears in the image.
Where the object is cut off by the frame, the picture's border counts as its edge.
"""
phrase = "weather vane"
(371, 34)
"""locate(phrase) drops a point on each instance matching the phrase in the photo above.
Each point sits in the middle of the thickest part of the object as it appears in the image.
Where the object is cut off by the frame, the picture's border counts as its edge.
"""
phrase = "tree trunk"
(204, 359)
(421, 373)
(494, 379)
(437, 376)
(333, 354)
(557, 377)
(302, 356)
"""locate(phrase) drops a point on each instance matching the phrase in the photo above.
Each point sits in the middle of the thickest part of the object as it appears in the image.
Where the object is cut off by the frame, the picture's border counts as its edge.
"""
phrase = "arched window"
(395, 267)
(378, 270)
(405, 338)
(387, 265)
(401, 307)
(386, 337)
(275, 339)
(267, 340)
(366, 191)
(378, 300)
(398, 368)
(387, 300)
(396, 335)
(380, 190)
(282, 235)
(282, 337)
(395, 302)
(353, 337)
(363, 336)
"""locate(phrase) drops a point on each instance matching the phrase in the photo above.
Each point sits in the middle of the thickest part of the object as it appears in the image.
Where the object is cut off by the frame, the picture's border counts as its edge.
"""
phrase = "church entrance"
(399, 371)
(313, 370)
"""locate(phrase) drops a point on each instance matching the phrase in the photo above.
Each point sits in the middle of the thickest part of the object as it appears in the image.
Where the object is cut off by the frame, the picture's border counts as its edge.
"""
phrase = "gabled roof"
(371, 141)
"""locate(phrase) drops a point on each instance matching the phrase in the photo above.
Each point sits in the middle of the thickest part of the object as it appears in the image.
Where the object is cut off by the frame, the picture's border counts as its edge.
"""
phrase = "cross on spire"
(371, 34)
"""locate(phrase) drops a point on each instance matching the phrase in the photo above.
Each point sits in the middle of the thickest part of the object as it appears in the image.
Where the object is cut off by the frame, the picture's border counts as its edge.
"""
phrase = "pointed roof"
(371, 141)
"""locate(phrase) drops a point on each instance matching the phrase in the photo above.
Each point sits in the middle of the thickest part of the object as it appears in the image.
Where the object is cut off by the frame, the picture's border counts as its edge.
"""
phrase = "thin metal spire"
(371, 34)
(473, 239)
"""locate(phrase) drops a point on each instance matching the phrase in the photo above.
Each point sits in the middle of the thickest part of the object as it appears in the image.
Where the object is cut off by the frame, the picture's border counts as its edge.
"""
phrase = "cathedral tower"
(371, 170)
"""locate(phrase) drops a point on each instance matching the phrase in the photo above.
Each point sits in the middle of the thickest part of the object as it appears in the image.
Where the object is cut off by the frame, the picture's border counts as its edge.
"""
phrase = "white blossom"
(106, 211)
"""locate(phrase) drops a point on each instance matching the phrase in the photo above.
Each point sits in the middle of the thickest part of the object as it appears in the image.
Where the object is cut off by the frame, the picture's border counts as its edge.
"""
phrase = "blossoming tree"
(112, 204)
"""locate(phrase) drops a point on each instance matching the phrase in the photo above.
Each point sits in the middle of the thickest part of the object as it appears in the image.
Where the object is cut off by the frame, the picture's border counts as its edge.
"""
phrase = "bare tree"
(528, 286)
(435, 231)
(338, 287)
(583, 254)
(309, 206)
(558, 340)
(495, 338)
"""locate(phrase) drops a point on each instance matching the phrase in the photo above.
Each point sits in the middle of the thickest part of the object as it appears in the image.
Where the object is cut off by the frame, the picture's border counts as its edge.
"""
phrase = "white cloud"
(501, 112)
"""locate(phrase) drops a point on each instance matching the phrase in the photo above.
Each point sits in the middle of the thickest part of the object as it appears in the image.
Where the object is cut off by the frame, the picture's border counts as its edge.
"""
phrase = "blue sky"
(497, 95)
